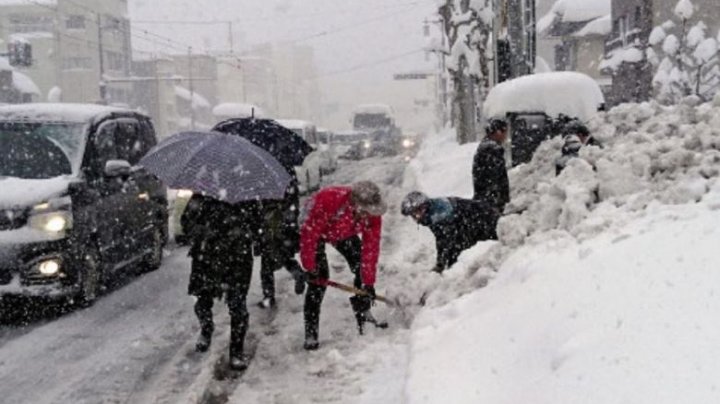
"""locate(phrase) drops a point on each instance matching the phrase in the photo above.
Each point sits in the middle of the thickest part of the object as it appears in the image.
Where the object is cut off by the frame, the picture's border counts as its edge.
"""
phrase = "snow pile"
(546, 92)
(604, 290)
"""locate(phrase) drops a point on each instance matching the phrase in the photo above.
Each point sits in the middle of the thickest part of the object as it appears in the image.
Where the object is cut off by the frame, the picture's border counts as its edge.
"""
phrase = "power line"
(374, 63)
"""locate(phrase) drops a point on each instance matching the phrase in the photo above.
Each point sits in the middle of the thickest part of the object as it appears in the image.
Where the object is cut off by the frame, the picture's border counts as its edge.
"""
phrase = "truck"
(378, 121)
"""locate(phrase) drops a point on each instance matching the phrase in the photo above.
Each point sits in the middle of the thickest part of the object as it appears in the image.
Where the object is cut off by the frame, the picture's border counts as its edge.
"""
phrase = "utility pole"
(192, 89)
(231, 40)
(441, 85)
(103, 85)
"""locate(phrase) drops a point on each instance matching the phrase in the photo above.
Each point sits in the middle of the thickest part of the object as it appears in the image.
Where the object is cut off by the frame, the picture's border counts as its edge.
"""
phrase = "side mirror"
(117, 168)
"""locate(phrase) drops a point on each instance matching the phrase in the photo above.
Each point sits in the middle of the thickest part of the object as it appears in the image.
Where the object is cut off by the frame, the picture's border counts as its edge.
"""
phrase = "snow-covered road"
(136, 344)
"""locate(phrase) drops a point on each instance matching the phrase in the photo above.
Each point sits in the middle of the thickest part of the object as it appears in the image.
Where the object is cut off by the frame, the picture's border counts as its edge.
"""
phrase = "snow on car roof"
(49, 112)
(295, 123)
(238, 110)
(570, 93)
(374, 109)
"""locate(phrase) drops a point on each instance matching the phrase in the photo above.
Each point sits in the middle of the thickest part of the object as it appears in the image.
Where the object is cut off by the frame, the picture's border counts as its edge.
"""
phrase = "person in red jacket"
(350, 219)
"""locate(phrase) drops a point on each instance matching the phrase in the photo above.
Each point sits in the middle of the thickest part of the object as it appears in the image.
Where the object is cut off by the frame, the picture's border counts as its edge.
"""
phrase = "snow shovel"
(354, 290)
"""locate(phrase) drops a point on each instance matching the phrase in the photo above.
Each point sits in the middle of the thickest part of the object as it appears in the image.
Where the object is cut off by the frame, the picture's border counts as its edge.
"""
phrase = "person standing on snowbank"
(490, 178)
(222, 237)
(456, 223)
(349, 219)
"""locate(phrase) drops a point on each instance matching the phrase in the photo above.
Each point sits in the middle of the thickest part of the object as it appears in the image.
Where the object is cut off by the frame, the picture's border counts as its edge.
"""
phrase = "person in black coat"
(222, 236)
(456, 223)
(280, 242)
(576, 135)
(490, 179)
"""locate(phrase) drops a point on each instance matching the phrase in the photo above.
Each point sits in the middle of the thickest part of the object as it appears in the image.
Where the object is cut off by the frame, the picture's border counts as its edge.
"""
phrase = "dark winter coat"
(490, 177)
(222, 236)
(458, 224)
(571, 149)
(281, 232)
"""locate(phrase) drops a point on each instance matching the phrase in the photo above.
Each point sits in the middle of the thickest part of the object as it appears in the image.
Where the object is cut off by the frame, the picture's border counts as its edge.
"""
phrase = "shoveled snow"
(570, 93)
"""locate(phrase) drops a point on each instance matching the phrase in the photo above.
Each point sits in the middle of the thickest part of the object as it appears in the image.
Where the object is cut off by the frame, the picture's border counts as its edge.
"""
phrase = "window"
(115, 61)
(104, 147)
(21, 23)
(75, 22)
(130, 144)
(638, 17)
(71, 63)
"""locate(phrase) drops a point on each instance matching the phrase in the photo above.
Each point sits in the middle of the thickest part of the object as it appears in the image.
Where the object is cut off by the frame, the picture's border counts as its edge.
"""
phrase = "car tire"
(154, 259)
(90, 280)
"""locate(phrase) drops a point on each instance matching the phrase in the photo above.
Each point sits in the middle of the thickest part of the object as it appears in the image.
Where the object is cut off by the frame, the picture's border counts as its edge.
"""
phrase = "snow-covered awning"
(198, 101)
(24, 84)
(569, 93)
(599, 27)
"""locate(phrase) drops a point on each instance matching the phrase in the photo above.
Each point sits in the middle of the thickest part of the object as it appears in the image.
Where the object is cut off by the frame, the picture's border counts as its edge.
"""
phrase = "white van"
(310, 173)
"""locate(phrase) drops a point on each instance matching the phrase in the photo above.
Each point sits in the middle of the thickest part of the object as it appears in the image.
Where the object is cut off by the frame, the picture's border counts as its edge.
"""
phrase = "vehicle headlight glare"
(184, 193)
(407, 143)
(53, 222)
(367, 144)
(49, 267)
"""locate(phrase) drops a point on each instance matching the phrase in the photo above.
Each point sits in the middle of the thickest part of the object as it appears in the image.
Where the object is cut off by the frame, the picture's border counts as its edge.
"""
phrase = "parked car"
(310, 173)
(536, 107)
(75, 210)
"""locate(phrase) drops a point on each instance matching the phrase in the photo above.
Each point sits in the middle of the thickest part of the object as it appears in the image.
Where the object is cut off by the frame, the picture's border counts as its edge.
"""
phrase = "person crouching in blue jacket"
(456, 223)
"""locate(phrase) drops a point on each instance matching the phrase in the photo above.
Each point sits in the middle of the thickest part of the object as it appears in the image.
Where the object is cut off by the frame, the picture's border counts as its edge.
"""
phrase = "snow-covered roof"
(198, 101)
(295, 123)
(28, 36)
(574, 11)
(238, 110)
(598, 27)
(25, 84)
(48, 112)
(622, 55)
(374, 109)
(569, 93)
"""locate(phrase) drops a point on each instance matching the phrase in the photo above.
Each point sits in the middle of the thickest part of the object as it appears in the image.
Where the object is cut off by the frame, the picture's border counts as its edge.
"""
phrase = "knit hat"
(366, 196)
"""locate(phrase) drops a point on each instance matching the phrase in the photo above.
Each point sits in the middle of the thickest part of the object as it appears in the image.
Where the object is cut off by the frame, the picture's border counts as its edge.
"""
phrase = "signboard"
(412, 76)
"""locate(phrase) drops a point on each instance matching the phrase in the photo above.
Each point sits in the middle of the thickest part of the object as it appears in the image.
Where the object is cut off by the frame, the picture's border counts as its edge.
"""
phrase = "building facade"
(73, 41)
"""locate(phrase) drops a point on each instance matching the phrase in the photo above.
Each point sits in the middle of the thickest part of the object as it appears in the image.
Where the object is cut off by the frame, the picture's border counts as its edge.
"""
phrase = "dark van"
(75, 209)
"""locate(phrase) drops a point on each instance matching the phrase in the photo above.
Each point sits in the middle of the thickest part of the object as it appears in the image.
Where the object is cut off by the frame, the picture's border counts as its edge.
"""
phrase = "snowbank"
(547, 92)
(601, 287)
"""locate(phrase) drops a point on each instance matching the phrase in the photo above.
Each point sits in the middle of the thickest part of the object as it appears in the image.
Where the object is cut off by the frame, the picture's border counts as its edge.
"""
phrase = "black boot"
(204, 340)
(203, 310)
(361, 306)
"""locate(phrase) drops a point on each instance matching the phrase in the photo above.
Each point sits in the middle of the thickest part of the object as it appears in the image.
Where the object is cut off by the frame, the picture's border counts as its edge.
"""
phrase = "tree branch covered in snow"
(686, 60)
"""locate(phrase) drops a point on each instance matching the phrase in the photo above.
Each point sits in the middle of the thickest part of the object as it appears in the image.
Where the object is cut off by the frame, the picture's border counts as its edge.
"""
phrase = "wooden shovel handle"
(351, 289)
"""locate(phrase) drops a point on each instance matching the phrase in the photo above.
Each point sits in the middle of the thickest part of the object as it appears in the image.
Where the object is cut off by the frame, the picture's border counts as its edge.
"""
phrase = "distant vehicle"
(378, 121)
(310, 173)
(328, 152)
(75, 210)
(537, 106)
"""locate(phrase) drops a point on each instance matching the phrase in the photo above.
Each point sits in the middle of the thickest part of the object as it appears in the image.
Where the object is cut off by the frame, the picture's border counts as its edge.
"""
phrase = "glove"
(311, 277)
(370, 290)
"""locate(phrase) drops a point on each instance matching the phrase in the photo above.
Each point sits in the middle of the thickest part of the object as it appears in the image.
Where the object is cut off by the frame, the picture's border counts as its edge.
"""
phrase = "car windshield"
(40, 150)
(365, 121)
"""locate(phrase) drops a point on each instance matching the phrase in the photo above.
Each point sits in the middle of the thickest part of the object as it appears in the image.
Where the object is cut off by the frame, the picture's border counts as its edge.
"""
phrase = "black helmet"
(412, 202)
(576, 127)
(494, 125)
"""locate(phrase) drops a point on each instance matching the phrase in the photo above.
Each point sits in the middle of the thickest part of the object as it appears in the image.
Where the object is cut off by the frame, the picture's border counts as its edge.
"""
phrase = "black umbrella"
(285, 145)
(228, 168)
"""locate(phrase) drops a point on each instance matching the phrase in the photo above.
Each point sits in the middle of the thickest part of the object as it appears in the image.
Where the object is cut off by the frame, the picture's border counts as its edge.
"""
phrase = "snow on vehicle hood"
(20, 192)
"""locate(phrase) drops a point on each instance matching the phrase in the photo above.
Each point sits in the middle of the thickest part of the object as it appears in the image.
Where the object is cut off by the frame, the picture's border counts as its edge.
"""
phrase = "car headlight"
(407, 143)
(52, 222)
(367, 144)
(49, 267)
(184, 193)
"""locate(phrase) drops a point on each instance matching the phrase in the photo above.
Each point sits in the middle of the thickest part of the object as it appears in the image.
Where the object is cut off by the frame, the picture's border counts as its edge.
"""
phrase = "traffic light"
(20, 53)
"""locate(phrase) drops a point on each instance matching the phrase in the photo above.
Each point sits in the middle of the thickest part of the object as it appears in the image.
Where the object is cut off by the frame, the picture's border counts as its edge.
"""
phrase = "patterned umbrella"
(228, 168)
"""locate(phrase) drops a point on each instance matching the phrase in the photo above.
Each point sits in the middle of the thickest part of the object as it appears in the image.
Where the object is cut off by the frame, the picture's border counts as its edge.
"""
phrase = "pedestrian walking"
(490, 179)
(456, 223)
(350, 219)
(280, 243)
(222, 236)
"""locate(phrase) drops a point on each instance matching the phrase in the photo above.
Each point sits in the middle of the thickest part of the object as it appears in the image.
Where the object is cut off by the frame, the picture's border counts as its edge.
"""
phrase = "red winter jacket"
(331, 219)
